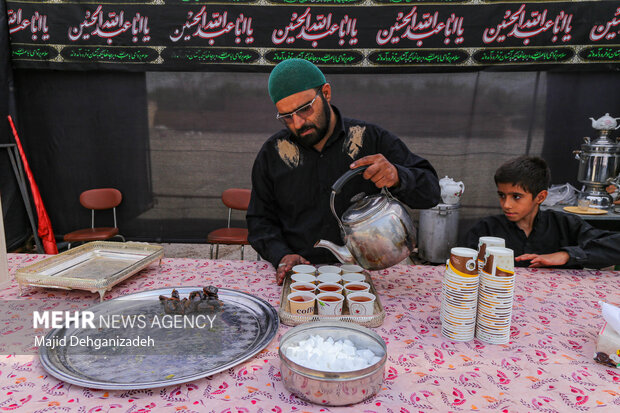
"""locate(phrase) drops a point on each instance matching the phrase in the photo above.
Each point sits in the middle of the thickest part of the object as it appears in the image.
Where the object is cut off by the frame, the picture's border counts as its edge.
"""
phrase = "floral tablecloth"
(546, 367)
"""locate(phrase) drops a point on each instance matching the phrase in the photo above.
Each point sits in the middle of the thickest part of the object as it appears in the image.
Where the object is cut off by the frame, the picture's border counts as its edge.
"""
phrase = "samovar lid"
(601, 144)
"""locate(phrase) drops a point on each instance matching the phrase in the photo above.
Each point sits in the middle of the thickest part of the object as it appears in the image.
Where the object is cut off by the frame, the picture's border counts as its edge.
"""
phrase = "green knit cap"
(292, 76)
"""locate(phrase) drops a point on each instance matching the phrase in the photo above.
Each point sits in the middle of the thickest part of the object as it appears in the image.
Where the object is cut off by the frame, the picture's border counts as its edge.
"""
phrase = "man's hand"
(380, 171)
(286, 264)
(546, 260)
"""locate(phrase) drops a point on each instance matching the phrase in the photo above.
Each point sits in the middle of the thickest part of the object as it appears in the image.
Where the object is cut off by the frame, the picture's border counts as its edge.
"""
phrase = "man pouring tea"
(295, 168)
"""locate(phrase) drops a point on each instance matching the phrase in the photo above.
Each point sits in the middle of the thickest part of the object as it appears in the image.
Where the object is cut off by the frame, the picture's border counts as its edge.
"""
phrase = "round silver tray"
(244, 326)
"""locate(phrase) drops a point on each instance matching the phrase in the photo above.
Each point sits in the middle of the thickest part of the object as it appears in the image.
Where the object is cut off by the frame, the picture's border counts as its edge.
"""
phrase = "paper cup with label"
(356, 287)
(484, 243)
(329, 303)
(304, 269)
(330, 288)
(328, 277)
(301, 303)
(345, 268)
(463, 261)
(361, 303)
(499, 262)
(303, 286)
(329, 268)
(304, 278)
(352, 277)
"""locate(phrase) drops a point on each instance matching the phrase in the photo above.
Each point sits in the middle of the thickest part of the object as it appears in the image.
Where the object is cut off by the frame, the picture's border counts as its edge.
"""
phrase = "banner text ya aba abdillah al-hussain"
(340, 35)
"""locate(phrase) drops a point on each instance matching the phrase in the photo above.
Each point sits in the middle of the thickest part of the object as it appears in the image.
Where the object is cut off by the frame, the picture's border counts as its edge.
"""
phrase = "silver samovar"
(599, 163)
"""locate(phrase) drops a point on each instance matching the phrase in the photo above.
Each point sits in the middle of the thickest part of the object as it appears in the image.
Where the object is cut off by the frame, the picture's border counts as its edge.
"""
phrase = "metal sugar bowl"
(333, 388)
(599, 162)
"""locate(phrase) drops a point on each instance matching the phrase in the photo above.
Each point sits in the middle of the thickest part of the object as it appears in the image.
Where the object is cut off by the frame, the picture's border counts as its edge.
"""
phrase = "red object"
(45, 226)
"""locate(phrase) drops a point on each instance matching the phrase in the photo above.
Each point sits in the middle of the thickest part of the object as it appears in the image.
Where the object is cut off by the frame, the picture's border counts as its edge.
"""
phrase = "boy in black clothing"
(542, 238)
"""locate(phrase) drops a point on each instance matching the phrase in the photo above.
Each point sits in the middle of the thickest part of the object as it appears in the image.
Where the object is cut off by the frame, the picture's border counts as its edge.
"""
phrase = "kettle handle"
(337, 186)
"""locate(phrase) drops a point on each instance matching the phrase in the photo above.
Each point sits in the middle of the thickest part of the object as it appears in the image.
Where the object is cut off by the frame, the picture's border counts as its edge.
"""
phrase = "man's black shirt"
(291, 186)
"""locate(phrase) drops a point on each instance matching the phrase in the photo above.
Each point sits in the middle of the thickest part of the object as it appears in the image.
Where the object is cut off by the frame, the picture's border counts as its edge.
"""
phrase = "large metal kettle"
(377, 229)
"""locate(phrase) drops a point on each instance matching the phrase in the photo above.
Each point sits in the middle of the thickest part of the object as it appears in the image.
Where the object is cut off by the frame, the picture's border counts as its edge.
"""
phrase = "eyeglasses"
(302, 111)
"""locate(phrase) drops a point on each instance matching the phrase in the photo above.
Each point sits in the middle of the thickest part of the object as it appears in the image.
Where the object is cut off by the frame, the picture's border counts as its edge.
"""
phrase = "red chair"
(233, 198)
(97, 199)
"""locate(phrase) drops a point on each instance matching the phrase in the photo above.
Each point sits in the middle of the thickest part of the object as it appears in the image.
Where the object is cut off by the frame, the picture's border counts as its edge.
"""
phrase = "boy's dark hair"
(529, 172)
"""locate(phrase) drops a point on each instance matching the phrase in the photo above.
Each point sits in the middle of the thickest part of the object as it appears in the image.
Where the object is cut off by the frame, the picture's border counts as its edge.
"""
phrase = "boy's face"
(518, 204)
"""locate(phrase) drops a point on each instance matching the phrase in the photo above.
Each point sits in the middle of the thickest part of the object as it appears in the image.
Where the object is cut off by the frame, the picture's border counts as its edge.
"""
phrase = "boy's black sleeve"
(482, 228)
(594, 248)
(472, 236)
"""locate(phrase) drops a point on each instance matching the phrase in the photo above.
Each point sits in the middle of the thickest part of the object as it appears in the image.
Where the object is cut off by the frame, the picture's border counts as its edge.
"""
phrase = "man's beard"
(319, 130)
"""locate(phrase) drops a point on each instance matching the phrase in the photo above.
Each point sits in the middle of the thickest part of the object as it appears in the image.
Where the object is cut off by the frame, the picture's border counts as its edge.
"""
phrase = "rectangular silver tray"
(95, 266)
(290, 319)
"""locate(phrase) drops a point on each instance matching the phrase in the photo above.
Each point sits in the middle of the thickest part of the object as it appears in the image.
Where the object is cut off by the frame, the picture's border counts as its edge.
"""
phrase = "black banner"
(390, 35)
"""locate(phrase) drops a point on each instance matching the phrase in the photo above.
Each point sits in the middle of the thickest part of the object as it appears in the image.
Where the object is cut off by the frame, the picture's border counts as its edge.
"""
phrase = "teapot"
(605, 123)
(377, 230)
(451, 190)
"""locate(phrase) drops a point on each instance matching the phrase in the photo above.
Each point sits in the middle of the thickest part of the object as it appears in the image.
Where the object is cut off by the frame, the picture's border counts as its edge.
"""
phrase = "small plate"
(589, 211)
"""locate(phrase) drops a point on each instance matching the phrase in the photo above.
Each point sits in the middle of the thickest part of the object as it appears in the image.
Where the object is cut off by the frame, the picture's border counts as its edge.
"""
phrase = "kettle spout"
(341, 252)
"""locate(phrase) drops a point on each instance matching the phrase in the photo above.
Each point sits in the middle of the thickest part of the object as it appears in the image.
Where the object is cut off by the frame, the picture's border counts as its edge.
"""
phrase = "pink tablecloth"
(546, 367)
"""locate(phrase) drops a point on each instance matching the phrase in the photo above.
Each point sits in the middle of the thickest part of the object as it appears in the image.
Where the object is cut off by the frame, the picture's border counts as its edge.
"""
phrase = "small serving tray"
(290, 319)
(95, 266)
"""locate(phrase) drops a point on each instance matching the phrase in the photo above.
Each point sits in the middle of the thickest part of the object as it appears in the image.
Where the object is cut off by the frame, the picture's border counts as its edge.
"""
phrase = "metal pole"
(21, 183)
(530, 128)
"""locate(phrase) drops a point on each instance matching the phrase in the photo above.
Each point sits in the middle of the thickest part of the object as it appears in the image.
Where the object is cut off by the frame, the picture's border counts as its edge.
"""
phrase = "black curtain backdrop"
(16, 226)
(571, 99)
(171, 142)
(206, 129)
(84, 130)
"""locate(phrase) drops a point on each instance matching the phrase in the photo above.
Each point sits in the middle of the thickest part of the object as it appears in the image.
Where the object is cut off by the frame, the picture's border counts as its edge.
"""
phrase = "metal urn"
(599, 162)
(439, 226)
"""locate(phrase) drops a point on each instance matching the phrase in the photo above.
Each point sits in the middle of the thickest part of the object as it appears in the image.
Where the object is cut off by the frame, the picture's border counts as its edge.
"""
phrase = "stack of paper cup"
(460, 295)
(484, 243)
(495, 296)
